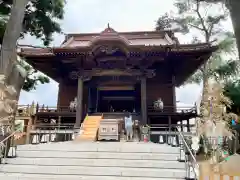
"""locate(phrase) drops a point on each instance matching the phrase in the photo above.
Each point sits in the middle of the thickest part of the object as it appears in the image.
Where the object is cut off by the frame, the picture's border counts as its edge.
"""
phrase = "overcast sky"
(83, 16)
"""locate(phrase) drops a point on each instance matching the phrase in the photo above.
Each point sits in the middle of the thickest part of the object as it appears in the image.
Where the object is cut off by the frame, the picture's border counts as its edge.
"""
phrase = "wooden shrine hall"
(114, 73)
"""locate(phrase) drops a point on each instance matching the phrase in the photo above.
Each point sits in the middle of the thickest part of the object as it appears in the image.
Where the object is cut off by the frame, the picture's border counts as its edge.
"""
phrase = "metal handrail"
(190, 159)
(188, 152)
(5, 146)
(5, 139)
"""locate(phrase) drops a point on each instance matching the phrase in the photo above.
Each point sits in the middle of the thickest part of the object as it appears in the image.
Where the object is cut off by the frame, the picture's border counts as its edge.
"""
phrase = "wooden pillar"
(143, 101)
(174, 94)
(169, 123)
(59, 121)
(59, 94)
(35, 118)
(188, 126)
(181, 126)
(96, 110)
(79, 103)
(28, 131)
(89, 110)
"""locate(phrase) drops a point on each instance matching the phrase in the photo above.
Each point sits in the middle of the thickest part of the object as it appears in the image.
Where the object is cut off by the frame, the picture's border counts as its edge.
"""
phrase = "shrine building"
(114, 73)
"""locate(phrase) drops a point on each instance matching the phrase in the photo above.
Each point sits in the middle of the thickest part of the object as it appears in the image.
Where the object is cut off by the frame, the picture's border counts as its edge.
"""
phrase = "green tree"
(233, 6)
(33, 77)
(232, 90)
(40, 20)
(197, 18)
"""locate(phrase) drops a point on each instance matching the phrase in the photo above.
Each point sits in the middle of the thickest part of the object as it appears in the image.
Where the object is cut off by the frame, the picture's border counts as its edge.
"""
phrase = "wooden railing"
(43, 133)
(28, 110)
(172, 109)
(54, 109)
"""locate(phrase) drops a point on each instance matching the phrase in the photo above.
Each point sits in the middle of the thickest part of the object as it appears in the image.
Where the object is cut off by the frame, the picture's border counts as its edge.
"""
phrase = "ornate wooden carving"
(105, 49)
(80, 74)
(108, 50)
(111, 64)
(88, 74)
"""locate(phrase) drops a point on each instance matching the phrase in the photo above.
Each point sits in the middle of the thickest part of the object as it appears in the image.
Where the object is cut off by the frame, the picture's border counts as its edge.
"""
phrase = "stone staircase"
(94, 161)
(90, 128)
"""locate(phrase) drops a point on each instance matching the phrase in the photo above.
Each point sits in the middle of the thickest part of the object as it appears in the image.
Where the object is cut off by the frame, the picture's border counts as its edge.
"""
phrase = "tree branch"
(194, 26)
(202, 22)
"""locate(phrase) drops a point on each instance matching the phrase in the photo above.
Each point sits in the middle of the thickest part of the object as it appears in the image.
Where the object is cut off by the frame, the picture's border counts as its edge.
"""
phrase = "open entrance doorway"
(112, 100)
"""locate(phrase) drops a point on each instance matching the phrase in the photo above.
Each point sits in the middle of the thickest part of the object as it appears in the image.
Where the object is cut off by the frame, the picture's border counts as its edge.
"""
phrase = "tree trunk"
(234, 6)
(204, 106)
(11, 35)
(12, 76)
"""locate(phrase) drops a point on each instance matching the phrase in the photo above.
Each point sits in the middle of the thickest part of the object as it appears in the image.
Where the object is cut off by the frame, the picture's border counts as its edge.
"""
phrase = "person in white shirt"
(129, 127)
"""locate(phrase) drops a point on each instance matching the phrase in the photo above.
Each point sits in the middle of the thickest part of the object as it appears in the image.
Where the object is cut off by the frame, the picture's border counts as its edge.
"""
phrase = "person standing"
(129, 127)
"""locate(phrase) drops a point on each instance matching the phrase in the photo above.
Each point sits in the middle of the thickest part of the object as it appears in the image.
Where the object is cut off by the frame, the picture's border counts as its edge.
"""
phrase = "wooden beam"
(144, 100)
(174, 93)
(149, 73)
(169, 123)
(79, 109)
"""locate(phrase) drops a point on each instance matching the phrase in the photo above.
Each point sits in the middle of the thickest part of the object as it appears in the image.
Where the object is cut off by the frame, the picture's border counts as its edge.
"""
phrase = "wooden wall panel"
(164, 90)
(67, 93)
(155, 91)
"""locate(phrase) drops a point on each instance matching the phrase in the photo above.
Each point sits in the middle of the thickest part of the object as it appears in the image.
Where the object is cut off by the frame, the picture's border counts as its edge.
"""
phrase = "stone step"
(88, 133)
(88, 124)
(85, 138)
(90, 127)
(94, 171)
(133, 147)
(97, 162)
(90, 136)
(91, 132)
(98, 155)
(17, 176)
(91, 123)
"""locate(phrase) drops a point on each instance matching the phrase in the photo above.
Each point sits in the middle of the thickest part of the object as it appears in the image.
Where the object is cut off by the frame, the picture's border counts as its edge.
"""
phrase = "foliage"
(232, 90)
(33, 77)
(233, 6)
(40, 20)
(194, 16)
